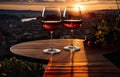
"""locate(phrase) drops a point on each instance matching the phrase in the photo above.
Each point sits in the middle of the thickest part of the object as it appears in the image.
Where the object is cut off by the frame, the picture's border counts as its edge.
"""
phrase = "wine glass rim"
(71, 6)
(51, 7)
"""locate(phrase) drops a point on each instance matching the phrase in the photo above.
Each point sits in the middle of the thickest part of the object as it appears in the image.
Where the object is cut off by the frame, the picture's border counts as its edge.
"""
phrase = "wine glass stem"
(71, 37)
(51, 41)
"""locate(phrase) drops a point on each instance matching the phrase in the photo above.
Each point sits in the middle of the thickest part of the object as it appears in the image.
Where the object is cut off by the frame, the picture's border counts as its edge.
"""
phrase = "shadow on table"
(98, 62)
(114, 57)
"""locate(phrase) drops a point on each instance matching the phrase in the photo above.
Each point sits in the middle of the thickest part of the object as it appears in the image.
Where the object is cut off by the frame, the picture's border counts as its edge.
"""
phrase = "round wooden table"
(87, 62)
(34, 49)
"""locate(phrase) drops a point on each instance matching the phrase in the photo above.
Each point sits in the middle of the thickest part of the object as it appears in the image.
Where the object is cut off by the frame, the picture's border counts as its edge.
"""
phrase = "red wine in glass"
(72, 24)
(72, 20)
(51, 20)
(51, 25)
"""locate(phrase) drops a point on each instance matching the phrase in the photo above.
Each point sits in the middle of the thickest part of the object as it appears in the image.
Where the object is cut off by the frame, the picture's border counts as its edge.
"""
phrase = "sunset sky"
(84, 4)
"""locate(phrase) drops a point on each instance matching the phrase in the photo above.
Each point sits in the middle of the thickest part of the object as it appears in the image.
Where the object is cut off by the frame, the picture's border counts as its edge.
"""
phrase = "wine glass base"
(51, 51)
(74, 48)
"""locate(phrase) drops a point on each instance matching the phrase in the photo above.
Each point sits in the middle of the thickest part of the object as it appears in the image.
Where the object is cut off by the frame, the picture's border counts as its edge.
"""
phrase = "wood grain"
(88, 62)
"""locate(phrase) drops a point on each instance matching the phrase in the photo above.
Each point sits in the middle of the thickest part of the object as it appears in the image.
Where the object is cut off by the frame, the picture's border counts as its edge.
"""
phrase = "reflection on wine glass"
(51, 20)
(72, 20)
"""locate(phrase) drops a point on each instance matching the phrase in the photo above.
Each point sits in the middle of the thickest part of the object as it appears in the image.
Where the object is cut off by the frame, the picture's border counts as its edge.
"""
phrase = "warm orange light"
(81, 7)
(77, 9)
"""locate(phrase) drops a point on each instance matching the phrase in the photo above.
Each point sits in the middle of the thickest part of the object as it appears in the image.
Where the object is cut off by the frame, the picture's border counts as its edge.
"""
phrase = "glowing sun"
(81, 7)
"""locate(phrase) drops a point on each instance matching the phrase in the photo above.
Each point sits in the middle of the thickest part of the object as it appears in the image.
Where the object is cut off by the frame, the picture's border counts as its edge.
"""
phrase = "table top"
(34, 49)
(87, 62)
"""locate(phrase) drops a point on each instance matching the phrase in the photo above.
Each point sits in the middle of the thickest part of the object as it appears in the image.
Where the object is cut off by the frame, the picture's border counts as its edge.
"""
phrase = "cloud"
(90, 4)
(99, 2)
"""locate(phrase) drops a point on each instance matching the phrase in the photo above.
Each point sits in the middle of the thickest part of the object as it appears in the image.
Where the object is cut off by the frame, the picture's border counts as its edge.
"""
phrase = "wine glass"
(72, 20)
(51, 20)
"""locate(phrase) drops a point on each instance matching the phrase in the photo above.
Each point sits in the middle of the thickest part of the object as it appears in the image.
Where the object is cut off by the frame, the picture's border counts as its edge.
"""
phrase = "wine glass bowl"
(51, 25)
(72, 24)
(72, 20)
(51, 20)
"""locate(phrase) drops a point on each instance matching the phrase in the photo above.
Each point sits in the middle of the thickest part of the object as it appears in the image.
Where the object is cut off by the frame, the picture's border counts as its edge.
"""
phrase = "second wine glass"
(72, 20)
(51, 20)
